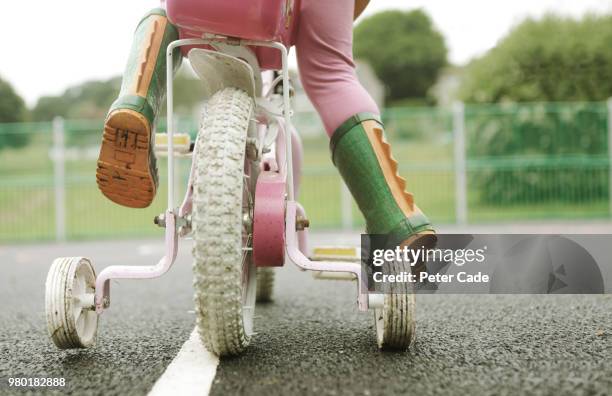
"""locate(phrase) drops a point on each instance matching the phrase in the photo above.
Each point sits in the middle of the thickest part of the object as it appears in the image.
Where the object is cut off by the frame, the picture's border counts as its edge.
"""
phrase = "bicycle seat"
(262, 20)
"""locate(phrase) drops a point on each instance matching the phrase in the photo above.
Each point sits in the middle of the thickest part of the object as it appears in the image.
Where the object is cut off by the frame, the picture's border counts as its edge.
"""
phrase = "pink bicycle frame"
(174, 220)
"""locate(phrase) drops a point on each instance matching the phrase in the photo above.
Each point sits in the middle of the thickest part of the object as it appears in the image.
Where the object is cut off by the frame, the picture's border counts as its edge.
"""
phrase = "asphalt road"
(311, 340)
(138, 337)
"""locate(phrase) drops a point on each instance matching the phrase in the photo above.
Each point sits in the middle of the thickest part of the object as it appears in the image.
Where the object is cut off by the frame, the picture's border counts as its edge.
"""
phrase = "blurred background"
(496, 112)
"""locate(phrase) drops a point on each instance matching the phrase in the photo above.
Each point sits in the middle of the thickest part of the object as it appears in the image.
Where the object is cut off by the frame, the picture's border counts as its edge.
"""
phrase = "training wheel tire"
(395, 320)
(71, 320)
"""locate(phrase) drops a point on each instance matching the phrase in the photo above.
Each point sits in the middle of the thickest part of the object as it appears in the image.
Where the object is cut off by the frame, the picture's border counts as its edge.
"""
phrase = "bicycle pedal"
(330, 275)
(339, 254)
(181, 143)
(336, 253)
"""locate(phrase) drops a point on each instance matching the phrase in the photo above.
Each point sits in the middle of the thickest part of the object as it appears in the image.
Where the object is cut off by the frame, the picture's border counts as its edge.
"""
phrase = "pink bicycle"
(240, 206)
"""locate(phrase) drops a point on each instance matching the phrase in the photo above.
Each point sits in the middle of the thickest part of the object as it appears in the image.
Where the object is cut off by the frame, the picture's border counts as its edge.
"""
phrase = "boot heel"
(124, 173)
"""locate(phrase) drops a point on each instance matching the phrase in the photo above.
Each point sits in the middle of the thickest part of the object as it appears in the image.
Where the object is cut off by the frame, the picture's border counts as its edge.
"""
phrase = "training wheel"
(71, 318)
(394, 312)
(394, 322)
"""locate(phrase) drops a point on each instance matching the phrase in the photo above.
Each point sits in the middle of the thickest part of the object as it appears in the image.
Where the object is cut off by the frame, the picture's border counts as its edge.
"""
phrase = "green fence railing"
(478, 163)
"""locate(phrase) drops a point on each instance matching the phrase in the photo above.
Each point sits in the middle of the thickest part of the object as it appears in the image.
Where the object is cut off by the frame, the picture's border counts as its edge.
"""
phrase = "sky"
(50, 45)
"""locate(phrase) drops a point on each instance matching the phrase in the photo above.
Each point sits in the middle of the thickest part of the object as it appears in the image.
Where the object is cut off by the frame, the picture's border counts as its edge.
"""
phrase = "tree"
(12, 109)
(92, 99)
(553, 59)
(87, 100)
(405, 50)
(49, 107)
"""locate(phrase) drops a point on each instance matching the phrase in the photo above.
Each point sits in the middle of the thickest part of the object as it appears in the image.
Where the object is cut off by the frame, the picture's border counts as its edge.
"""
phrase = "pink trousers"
(325, 61)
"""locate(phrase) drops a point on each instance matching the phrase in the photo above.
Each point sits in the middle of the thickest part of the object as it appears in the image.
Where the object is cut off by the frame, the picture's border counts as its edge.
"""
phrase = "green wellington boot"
(127, 171)
(363, 157)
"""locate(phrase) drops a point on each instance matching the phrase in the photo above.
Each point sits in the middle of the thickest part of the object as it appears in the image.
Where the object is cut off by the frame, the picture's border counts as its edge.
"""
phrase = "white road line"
(191, 372)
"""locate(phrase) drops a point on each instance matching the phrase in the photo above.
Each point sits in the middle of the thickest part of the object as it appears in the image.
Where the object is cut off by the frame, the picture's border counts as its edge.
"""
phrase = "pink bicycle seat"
(263, 20)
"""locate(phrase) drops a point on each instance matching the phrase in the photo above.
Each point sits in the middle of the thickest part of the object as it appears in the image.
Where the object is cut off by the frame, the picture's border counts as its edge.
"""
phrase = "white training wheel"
(394, 312)
(394, 322)
(69, 298)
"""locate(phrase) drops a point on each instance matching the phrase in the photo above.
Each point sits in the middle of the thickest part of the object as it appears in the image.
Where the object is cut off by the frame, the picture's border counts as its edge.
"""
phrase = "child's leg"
(127, 172)
(325, 59)
(351, 119)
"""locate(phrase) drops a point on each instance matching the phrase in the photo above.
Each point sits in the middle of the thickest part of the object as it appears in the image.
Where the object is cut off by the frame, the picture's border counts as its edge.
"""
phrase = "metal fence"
(465, 164)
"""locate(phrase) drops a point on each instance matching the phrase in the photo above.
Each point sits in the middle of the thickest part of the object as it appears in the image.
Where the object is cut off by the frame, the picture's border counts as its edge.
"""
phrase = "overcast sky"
(50, 45)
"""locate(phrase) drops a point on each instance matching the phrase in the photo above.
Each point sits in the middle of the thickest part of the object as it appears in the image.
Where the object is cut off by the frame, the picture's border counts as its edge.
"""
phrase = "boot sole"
(124, 173)
(425, 239)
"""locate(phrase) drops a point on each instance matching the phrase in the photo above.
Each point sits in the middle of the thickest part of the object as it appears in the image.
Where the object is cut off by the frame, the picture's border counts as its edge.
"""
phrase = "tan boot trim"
(388, 164)
(360, 6)
(148, 57)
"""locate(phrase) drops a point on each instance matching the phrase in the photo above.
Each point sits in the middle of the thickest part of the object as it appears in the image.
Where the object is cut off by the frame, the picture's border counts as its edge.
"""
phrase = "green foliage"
(554, 59)
(530, 153)
(88, 100)
(92, 99)
(12, 109)
(188, 93)
(404, 49)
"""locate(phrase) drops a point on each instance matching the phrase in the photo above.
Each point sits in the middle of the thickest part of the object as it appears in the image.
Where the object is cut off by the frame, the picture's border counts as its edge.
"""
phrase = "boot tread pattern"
(124, 174)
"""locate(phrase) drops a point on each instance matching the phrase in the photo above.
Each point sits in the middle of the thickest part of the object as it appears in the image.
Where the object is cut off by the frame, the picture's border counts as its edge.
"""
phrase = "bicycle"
(240, 205)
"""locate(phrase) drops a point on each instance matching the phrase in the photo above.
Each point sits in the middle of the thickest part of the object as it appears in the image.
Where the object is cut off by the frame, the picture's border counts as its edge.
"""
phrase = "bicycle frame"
(174, 221)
